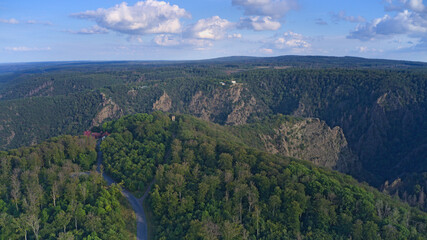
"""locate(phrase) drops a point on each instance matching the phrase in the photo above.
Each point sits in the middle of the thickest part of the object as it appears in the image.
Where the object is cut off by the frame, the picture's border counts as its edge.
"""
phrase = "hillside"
(379, 106)
(210, 185)
(309, 139)
(49, 192)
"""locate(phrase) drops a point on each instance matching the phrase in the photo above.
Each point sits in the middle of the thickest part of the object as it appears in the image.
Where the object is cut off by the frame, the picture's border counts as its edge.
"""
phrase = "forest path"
(141, 223)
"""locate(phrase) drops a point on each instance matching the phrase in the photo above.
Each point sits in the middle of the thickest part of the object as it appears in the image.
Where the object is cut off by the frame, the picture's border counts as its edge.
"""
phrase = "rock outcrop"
(45, 88)
(164, 103)
(231, 106)
(312, 140)
(110, 110)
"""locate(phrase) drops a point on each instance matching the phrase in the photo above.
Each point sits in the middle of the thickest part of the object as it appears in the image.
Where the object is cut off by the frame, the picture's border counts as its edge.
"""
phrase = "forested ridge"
(210, 185)
(379, 104)
(51, 191)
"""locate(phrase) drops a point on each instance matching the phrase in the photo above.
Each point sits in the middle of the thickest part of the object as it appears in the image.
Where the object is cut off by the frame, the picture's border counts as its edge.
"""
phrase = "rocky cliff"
(231, 105)
(109, 111)
(312, 140)
(308, 139)
(164, 103)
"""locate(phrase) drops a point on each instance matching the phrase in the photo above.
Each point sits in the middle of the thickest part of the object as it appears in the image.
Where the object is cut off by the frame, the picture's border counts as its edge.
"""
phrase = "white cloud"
(399, 5)
(169, 40)
(234, 35)
(199, 44)
(166, 40)
(199, 36)
(135, 38)
(405, 22)
(291, 40)
(341, 16)
(26, 49)
(39, 22)
(266, 50)
(93, 30)
(273, 8)
(416, 5)
(364, 49)
(410, 19)
(145, 17)
(258, 23)
(14, 21)
(214, 28)
(9, 21)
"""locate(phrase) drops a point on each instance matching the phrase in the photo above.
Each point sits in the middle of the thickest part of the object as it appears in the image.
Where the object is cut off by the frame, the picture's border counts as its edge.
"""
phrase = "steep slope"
(27, 121)
(209, 184)
(49, 192)
(30, 120)
(231, 105)
(379, 105)
(382, 113)
(309, 139)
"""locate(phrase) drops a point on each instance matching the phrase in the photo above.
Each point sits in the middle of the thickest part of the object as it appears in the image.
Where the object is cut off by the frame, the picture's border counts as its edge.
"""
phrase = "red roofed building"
(95, 134)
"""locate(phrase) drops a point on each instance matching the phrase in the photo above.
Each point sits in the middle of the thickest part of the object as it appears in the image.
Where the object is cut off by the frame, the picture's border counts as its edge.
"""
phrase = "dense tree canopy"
(49, 192)
(209, 185)
(380, 104)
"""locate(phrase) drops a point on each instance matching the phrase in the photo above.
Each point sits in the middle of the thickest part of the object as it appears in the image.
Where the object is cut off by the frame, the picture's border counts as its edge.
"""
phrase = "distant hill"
(321, 62)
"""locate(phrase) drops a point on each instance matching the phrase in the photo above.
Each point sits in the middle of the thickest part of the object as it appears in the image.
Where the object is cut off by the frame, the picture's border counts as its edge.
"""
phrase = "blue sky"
(48, 30)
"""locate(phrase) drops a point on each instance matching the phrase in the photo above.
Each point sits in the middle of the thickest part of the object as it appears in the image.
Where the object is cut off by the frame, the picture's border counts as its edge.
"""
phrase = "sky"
(52, 30)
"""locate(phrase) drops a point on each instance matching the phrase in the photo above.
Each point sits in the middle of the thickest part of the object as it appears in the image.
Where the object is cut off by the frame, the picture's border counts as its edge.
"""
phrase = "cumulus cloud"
(291, 40)
(214, 28)
(93, 30)
(341, 16)
(410, 19)
(26, 49)
(399, 5)
(416, 5)
(200, 35)
(9, 21)
(259, 23)
(145, 17)
(405, 22)
(273, 8)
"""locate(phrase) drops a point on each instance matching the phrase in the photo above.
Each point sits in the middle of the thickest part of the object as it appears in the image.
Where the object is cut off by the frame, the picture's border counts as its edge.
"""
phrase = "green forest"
(209, 185)
(51, 191)
(209, 170)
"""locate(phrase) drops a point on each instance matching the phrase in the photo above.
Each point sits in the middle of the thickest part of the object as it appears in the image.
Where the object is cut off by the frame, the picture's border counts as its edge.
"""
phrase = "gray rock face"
(231, 106)
(313, 140)
(310, 139)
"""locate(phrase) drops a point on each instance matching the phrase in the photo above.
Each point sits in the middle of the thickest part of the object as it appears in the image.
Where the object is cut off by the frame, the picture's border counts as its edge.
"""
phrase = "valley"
(231, 143)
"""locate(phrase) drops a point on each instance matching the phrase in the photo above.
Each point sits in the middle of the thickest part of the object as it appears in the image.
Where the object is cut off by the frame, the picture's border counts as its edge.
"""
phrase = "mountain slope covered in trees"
(210, 185)
(380, 105)
(47, 192)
